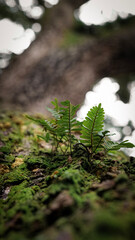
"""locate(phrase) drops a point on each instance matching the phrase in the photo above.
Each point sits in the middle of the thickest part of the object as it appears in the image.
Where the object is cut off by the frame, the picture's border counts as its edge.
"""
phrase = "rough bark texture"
(44, 71)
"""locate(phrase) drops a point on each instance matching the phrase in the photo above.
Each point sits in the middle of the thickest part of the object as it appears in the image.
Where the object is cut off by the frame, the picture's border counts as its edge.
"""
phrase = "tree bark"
(44, 71)
(57, 21)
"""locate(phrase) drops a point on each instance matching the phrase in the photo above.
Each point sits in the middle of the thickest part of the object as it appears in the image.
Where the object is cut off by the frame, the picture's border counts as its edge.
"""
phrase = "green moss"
(110, 195)
(34, 161)
(92, 199)
(72, 176)
(9, 158)
(72, 38)
(25, 212)
(54, 189)
(121, 178)
(16, 175)
(109, 226)
(21, 205)
(35, 188)
(5, 149)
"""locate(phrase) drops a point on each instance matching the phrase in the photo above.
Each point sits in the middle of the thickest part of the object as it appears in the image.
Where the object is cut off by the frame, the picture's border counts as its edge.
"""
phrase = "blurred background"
(83, 51)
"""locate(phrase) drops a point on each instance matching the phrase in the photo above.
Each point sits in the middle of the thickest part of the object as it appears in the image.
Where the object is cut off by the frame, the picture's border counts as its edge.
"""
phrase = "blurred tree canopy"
(28, 12)
(14, 11)
(67, 57)
(19, 12)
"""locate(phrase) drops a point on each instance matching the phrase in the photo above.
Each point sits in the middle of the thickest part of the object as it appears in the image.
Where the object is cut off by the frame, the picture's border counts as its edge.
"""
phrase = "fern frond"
(54, 113)
(92, 125)
(47, 125)
(67, 122)
(46, 138)
(60, 129)
(56, 110)
(56, 105)
(110, 145)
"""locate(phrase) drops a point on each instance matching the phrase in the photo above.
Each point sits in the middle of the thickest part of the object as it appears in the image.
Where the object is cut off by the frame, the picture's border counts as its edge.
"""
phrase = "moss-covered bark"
(46, 196)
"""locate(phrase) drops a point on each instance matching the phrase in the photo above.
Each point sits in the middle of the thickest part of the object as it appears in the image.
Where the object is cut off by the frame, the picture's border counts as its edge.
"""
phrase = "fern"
(94, 138)
(49, 128)
(68, 122)
(92, 125)
(61, 127)
(55, 111)
(46, 124)
(113, 146)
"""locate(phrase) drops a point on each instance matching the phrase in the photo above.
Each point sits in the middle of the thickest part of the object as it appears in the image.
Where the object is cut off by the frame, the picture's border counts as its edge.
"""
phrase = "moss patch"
(46, 196)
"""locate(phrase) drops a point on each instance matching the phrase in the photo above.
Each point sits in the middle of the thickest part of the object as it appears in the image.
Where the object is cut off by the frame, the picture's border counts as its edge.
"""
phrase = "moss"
(36, 188)
(72, 176)
(118, 156)
(54, 189)
(110, 195)
(72, 38)
(100, 225)
(121, 178)
(36, 184)
(6, 149)
(92, 199)
(109, 226)
(16, 175)
(21, 206)
(9, 159)
(4, 169)
(37, 161)
(70, 180)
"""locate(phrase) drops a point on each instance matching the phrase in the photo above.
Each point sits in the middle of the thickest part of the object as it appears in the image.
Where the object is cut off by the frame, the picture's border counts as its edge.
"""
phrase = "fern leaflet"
(92, 125)
(110, 145)
(67, 121)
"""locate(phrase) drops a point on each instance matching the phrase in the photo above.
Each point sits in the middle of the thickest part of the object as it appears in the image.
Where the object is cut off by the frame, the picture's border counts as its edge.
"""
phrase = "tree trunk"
(44, 71)
(58, 20)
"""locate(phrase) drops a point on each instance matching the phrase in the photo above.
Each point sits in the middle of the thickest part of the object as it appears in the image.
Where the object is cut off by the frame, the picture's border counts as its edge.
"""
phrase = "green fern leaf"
(46, 138)
(67, 122)
(111, 146)
(56, 105)
(92, 125)
(56, 110)
(47, 125)
(54, 113)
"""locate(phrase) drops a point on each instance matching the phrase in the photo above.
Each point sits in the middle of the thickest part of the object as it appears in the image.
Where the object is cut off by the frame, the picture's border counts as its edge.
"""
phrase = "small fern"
(60, 130)
(92, 125)
(94, 138)
(55, 111)
(49, 128)
(68, 122)
(113, 146)
(61, 127)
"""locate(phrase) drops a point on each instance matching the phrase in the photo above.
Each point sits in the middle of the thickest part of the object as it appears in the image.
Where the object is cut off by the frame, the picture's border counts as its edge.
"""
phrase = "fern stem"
(92, 131)
(69, 127)
(98, 144)
(88, 153)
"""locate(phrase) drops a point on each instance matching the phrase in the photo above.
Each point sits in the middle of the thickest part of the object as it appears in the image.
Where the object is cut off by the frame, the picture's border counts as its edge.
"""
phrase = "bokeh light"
(99, 12)
(14, 38)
